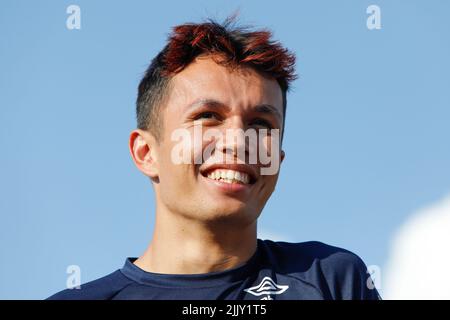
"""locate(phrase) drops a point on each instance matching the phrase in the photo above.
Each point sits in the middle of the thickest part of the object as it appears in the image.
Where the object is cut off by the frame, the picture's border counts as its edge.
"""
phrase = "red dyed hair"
(237, 46)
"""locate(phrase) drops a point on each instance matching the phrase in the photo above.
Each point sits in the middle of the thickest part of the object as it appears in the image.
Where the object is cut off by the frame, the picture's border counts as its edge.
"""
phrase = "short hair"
(237, 46)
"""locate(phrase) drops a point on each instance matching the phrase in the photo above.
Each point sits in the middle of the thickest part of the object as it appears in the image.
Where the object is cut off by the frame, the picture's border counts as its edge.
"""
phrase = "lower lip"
(228, 187)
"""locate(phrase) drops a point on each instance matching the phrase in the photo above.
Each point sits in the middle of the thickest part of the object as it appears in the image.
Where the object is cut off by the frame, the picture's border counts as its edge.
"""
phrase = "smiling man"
(229, 84)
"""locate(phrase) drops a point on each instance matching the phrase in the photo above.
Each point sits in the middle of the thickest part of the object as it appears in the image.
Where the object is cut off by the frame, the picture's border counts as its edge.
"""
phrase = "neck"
(184, 246)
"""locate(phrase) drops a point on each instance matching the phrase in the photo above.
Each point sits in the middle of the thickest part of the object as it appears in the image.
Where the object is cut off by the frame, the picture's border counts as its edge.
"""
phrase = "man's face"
(211, 96)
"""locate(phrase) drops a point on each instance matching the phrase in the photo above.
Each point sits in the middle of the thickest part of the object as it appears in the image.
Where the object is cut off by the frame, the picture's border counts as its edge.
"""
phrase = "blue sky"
(366, 133)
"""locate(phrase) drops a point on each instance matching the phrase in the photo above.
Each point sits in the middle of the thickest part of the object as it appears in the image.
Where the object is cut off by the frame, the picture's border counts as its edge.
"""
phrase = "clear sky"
(367, 132)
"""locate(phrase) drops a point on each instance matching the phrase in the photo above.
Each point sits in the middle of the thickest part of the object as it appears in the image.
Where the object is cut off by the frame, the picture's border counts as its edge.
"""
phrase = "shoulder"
(306, 253)
(100, 289)
(338, 273)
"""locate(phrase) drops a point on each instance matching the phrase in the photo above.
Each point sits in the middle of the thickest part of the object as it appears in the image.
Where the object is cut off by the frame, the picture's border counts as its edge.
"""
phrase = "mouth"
(230, 174)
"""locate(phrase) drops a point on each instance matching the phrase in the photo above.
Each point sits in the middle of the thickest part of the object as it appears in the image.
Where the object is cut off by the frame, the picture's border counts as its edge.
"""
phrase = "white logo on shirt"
(267, 287)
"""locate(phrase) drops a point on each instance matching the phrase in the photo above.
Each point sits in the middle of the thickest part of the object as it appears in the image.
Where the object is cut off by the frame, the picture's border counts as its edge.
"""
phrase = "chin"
(231, 212)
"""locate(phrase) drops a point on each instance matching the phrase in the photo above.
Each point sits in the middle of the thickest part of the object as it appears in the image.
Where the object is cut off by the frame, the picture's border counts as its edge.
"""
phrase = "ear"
(142, 147)
(282, 155)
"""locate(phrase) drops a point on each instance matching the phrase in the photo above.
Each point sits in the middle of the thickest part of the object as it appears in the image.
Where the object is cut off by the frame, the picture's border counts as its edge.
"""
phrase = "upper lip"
(236, 167)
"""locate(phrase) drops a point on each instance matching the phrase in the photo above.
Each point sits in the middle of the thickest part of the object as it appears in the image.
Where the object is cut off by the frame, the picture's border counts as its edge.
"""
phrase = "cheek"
(171, 173)
(270, 143)
(177, 169)
(269, 185)
(178, 175)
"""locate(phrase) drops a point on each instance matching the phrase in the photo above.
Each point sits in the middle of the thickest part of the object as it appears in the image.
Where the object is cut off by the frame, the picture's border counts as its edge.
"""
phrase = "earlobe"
(282, 155)
(142, 149)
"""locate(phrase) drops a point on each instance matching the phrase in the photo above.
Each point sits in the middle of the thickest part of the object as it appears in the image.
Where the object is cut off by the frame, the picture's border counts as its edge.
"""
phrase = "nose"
(234, 144)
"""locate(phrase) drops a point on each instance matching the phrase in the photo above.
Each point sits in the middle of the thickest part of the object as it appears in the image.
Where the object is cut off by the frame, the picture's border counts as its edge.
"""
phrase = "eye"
(207, 115)
(263, 123)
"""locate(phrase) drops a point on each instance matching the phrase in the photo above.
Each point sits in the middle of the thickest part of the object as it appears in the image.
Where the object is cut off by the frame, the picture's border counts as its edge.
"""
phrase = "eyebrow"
(260, 108)
(269, 109)
(208, 103)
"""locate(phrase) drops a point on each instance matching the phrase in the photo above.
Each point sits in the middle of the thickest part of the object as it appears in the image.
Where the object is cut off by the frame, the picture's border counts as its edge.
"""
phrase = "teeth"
(229, 176)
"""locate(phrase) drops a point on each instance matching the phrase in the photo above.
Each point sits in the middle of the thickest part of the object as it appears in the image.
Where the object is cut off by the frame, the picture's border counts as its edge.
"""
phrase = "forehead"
(237, 87)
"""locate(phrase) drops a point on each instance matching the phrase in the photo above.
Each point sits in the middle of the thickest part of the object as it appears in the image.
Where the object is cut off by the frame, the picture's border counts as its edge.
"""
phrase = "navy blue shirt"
(277, 271)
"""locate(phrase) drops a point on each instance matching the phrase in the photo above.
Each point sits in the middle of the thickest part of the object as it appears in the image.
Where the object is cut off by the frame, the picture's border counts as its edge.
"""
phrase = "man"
(215, 79)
